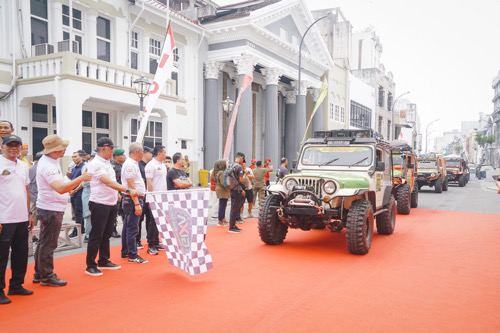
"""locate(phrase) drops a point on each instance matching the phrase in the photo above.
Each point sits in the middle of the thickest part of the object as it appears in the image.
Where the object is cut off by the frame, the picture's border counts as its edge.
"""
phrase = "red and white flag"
(163, 73)
(247, 81)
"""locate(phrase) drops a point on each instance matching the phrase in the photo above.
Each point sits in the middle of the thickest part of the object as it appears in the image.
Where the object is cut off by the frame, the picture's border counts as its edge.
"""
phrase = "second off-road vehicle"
(457, 170)
(343, 180)
(432, 172)
(404, 172)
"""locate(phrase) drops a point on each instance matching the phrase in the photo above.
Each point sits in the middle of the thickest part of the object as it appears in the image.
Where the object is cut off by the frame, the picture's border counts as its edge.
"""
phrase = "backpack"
(230, 180)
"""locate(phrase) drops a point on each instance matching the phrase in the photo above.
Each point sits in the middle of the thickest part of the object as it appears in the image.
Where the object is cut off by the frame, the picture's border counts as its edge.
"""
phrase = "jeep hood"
(425, 170)
(397, 173)
(351, 180)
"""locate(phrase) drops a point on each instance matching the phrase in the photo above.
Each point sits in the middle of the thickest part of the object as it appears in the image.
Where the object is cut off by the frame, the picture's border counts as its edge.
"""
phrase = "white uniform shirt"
(250, 172)
(158, 173)
(99, 192)
(13, 196)
(47, 172)
(130, 169)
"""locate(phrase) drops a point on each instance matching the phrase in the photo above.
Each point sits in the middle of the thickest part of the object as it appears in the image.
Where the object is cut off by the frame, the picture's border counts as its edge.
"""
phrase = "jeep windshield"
(337, 156)
(427, 164)
(453, 164)
(397, 159)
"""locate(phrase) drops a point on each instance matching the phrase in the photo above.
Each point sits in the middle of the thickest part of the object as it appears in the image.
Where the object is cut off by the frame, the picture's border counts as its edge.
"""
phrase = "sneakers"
(152, 251)
(240, 220)
(53, 281)
(4, 299)
(115, 234)
(109, 265)
(86, 240)
(20, 291)
(234, 230)
(139, 246)
(250, 216)
(36, 278)
(220, 224)
(93, 271)
(160, 247)
(137, 260)
(124, 256)
(73, 234)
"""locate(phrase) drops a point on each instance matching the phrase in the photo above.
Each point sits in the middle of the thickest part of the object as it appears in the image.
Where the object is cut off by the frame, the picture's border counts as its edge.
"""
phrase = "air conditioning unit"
(42, 49)
(64, 46)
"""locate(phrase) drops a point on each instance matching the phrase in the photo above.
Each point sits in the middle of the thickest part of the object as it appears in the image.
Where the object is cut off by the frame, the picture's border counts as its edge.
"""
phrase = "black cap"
(12, 138)
(146, 149)
(105, 142)
(81, 152)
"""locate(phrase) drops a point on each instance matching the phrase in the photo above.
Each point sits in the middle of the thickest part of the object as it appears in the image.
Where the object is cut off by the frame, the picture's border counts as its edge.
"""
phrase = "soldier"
(117, 163)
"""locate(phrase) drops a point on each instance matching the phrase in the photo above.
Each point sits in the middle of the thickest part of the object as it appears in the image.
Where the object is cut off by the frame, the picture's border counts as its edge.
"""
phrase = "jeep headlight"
(433, 174)
(290, 183)
(329, 187)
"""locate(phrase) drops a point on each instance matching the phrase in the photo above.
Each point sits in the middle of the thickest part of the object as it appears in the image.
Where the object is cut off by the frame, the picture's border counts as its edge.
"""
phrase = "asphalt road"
(478, 196)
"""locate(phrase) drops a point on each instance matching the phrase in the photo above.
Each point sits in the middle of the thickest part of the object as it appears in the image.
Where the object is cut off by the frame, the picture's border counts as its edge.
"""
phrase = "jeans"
(222, 208)
(88, 227)
(102, 219)
(76, 202)
(130, 227)
(236, 201)
(50, 227)
(14, 236)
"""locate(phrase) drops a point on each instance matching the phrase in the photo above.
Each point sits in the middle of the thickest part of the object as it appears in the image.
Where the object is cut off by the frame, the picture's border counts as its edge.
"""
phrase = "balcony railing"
(71, 64)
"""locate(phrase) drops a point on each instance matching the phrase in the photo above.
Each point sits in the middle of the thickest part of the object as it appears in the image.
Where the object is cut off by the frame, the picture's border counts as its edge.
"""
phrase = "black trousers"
(237, 199)
(14, 236)
(152, 234)
(102, 219)
(76, 202)
(148, 216)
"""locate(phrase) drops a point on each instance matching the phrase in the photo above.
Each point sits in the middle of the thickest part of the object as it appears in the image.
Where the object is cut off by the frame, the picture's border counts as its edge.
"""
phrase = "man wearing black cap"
(15, 217)
(117, 163)
(102, 204)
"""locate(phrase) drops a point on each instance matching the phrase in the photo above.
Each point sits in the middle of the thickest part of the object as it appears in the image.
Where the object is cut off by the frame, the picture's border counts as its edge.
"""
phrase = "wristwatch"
(30, 213)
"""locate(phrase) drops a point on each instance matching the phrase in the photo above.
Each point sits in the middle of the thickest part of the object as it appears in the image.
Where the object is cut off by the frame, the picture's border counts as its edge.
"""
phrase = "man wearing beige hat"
(51, 204)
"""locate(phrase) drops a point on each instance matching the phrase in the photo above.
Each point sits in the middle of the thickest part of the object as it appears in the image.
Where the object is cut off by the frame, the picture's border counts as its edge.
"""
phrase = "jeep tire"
(461, 181)
(445, 184)
(403, 196)
(386, 222)
(359, 227)
(414, 197)
(271, 230)
(438, 185)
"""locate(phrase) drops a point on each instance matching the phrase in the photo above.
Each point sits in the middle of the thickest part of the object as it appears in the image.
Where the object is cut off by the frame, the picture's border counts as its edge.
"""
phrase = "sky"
(445, 52)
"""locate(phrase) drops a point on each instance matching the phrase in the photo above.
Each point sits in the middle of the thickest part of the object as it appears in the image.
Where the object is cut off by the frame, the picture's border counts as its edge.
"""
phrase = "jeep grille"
(312, 184)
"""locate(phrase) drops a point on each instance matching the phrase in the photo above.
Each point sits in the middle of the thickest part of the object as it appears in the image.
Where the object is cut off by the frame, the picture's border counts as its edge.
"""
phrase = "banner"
(247, 80)
(181, 217)
(319, 100)
(163, 73)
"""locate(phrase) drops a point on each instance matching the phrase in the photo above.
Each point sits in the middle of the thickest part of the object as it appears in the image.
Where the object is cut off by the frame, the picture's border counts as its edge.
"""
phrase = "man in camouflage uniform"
(117, 162)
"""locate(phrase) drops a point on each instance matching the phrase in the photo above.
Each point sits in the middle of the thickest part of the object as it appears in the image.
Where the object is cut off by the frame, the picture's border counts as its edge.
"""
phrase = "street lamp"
(426, 133)
(393, 130)
(227, 105)
(142, 86)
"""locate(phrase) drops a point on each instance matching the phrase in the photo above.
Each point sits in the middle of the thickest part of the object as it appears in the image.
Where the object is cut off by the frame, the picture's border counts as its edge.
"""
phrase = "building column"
(243, 129)
(300, 113)
(290, 126)
(318, 120)
(56, 26)
(211, 118)
(271, 125)
(91, 33)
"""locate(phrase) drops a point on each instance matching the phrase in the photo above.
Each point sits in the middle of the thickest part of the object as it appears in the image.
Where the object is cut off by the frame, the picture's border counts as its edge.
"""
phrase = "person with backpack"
(237, 192)
(221, 191)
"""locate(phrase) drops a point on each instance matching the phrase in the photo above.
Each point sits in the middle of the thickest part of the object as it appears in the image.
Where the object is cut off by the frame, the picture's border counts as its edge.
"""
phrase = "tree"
(459, 149)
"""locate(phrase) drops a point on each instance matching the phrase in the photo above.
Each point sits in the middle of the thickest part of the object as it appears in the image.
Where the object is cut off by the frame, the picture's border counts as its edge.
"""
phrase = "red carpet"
(438, 273)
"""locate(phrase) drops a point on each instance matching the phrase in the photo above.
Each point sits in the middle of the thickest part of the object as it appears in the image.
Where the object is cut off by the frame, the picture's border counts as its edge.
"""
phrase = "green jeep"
(432, 172)
(343, 180)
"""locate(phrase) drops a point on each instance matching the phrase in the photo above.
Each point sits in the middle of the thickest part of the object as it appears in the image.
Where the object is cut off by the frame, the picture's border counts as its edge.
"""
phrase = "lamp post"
(227, 107)
(142, 86)
(299, 102)
(426, 133)
(393, 129)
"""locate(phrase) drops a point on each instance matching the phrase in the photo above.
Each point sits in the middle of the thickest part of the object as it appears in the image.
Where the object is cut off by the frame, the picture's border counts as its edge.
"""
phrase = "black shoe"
(20, 291)
(160, 248)
(124, 256)
(4, 299)
(235, 230)
(86, 240)
(115, 234)
(152, 251)
(73, 234)
(93, 271)
(53, 281)
(137, 260)
(35, 239)
(36, 278)
(109, 265)
(139, 246)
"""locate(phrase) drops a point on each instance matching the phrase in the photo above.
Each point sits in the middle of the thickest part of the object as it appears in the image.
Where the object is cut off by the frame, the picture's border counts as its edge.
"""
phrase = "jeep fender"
(370, 196)
(387, 195)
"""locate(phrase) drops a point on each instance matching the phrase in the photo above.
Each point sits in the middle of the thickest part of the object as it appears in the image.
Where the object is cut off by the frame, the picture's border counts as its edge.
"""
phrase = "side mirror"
(380, 166)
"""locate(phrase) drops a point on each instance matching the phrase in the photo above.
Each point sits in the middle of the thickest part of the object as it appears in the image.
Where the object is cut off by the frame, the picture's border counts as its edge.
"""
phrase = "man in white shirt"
(102, 204)
(50, 206)
(156, 178)
(15, 217)
(132, 206)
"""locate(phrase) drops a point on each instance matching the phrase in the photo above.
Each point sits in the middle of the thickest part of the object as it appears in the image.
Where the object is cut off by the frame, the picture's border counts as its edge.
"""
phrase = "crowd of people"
(101, 186)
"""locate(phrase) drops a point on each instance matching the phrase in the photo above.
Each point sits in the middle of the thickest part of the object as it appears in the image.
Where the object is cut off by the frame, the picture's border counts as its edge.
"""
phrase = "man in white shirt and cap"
(15, 217)
(102, 204)
(50, 206)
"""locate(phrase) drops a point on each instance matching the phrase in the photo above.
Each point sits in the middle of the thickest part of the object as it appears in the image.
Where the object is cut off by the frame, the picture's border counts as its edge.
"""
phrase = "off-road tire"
(414, 197)
(438, 185)
(445, 184)
(386, 222)
(461, 181)
(403, 196)
(359, 227)
(271, 230)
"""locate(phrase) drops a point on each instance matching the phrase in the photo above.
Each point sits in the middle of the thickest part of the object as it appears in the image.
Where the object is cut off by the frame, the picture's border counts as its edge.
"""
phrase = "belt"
(140, 196)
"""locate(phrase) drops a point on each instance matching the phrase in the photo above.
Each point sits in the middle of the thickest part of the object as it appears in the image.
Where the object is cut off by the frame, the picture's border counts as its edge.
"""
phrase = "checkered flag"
(181, 220)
